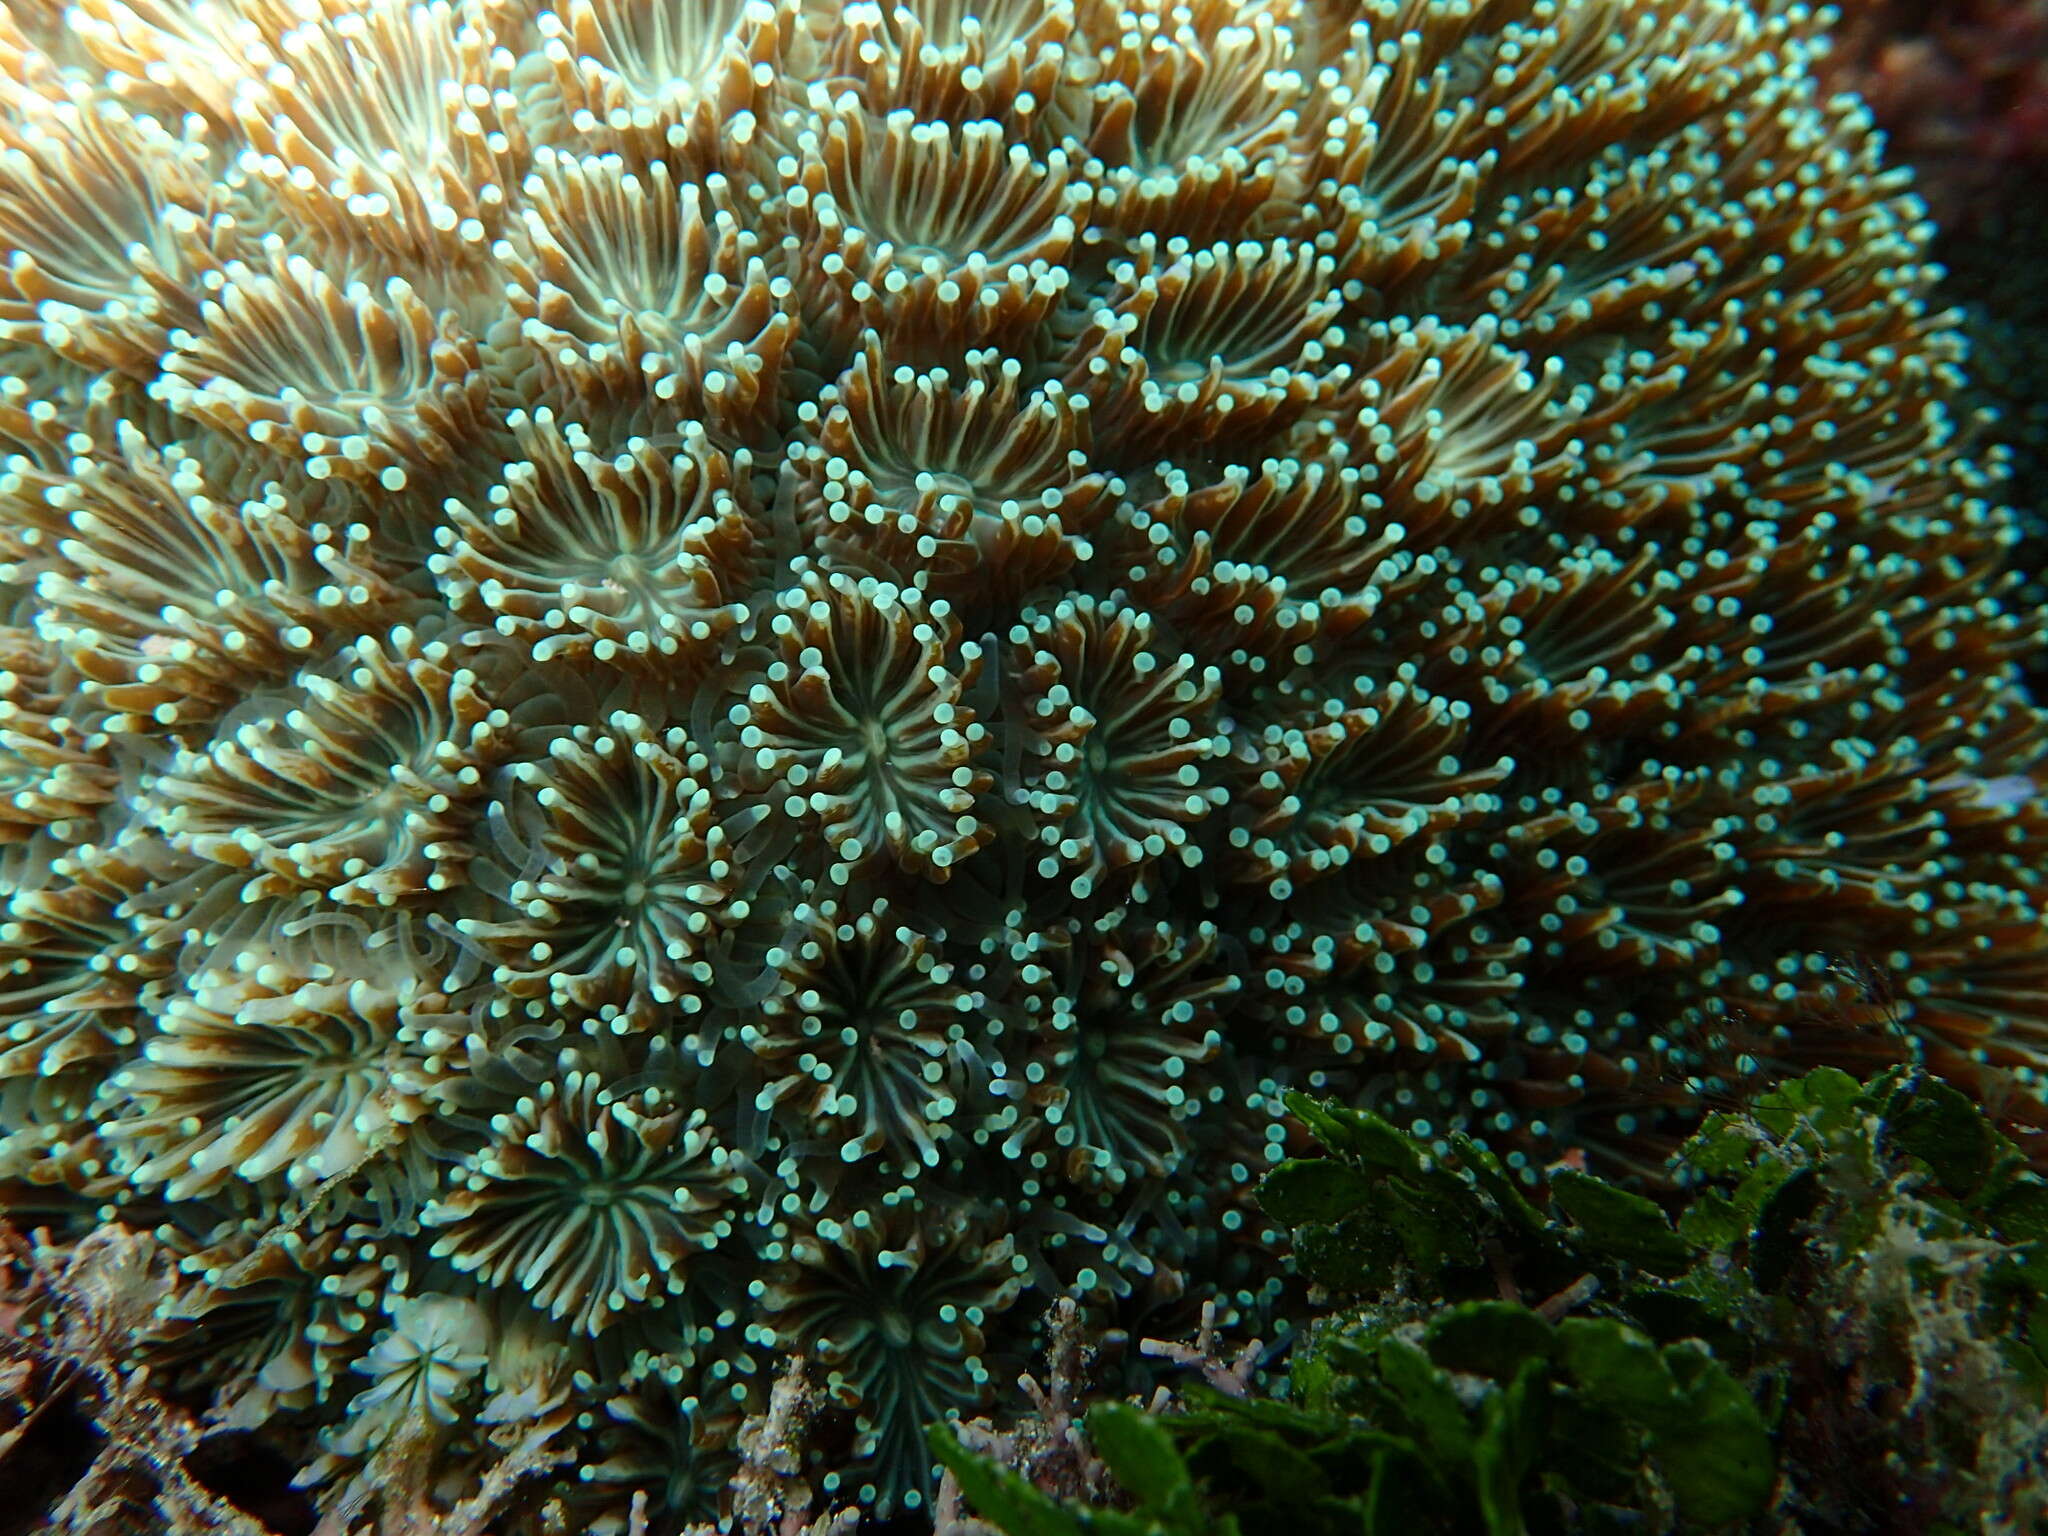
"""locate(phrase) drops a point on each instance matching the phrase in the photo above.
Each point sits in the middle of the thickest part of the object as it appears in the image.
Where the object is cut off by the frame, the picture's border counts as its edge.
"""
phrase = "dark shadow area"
(42, 1467)
(253, 1476)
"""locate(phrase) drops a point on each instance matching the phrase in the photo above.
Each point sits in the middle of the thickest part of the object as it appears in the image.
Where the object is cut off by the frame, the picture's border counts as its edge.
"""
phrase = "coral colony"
(695, 683)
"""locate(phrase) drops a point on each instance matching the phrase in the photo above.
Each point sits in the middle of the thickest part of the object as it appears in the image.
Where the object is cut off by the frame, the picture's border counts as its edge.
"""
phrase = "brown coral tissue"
(690, 683)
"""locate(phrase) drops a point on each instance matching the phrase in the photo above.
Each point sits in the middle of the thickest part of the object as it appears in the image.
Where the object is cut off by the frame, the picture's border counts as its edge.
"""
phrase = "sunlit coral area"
(693, 682)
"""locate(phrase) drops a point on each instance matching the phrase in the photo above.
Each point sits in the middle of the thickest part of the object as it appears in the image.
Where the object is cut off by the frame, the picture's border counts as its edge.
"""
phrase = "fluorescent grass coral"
(688, 682)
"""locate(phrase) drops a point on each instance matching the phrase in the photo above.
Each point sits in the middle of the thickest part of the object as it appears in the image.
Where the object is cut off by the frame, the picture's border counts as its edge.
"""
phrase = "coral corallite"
(691, 681)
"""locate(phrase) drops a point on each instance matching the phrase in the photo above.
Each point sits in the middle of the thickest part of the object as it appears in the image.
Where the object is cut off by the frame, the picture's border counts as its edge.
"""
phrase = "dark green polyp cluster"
(689, 682)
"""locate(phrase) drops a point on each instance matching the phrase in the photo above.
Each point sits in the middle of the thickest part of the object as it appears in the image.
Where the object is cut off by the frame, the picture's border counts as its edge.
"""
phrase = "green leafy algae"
(1837, 1322)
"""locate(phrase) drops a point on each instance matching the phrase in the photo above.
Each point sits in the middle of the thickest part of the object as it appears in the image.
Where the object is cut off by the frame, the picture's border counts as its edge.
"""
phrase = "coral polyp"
(635, 557)
(950, 480)
(894, 1302)
(299, 1078)
(865, 1035)
(625, 877)
(588, 1200)
(362, 793)
(862, 720)
(682, 683)
(1118, 736)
